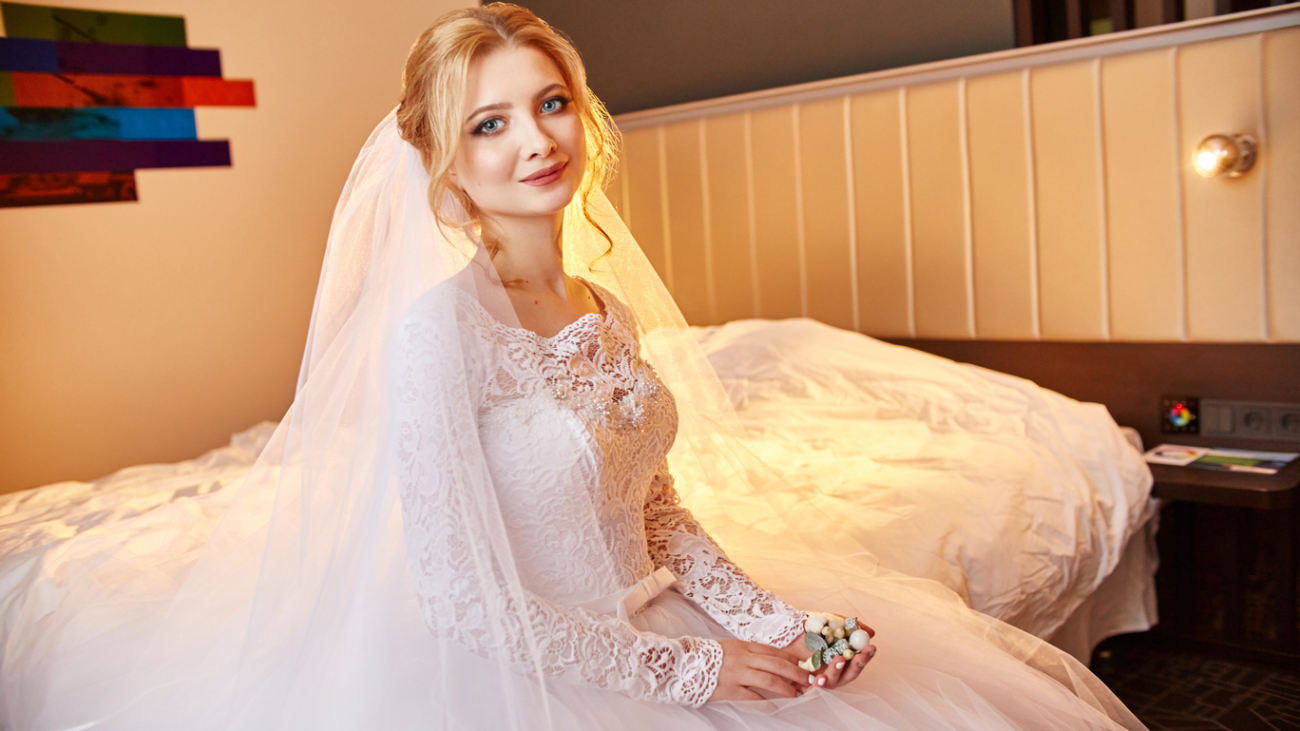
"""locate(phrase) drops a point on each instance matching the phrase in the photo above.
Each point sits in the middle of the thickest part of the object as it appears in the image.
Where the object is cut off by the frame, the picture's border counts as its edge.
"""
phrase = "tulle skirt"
(940, 665)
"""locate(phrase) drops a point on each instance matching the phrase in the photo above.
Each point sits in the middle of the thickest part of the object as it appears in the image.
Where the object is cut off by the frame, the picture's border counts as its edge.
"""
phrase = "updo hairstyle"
(431, 112)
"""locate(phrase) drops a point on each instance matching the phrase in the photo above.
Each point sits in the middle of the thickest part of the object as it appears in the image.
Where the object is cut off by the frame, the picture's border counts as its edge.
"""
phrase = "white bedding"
(1017, 498)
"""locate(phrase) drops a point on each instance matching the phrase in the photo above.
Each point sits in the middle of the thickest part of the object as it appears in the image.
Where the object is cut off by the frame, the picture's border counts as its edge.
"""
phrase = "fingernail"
(872, 653)
(811, 679)
(821, 681)
(839, 665)
(862, 664)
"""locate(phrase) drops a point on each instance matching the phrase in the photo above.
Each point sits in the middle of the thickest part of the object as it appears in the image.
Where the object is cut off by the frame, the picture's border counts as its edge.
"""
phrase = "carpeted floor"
(1172, 689)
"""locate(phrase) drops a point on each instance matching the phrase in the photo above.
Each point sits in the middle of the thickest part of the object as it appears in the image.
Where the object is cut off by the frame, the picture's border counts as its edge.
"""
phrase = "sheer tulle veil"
(287, 601)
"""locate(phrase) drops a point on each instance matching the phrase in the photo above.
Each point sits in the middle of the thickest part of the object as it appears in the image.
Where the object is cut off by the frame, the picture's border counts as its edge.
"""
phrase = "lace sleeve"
(459, 560)
(707, 577)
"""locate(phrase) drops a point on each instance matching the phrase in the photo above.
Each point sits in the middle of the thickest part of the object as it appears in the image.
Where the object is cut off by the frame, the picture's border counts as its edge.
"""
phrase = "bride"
(467, 518)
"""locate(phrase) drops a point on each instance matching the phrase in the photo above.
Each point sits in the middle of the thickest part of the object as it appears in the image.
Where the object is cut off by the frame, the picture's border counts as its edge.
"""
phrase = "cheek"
(480, 166)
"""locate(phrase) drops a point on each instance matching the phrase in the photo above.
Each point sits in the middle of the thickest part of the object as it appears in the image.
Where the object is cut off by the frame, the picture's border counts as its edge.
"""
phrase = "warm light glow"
(1218, 154)
(1205, 161)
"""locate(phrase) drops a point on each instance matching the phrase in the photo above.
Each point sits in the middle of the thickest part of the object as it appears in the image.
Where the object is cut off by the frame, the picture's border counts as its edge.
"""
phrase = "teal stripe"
(112, 123)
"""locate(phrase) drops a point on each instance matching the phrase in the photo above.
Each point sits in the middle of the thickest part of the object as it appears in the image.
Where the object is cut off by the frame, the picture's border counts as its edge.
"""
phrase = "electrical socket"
(1286, 423)
(1250, 420)
(1253, 421)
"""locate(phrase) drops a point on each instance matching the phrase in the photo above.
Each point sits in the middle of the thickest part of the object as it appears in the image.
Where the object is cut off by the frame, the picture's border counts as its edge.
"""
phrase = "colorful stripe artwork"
(88, 97)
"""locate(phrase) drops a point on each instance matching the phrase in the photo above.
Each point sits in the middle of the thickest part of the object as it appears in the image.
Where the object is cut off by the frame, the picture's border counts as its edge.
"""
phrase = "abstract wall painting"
(88, 97)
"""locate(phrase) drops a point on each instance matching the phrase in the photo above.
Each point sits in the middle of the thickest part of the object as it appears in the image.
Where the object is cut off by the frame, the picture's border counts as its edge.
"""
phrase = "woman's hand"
(749, 667)
(840, 671)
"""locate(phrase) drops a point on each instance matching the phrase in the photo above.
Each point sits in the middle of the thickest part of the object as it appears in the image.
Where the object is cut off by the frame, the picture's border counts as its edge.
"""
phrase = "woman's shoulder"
(446, 311)
(616, 311)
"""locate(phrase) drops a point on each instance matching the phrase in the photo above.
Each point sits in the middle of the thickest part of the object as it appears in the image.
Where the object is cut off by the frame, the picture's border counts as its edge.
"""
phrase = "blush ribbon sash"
(627, 603)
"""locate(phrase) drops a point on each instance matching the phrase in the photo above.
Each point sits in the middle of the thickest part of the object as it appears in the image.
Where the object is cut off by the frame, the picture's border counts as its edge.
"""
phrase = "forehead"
(504, 74)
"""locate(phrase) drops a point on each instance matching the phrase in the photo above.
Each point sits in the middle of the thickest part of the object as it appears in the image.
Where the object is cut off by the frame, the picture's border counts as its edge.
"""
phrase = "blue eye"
(489, 126)
(554, 104)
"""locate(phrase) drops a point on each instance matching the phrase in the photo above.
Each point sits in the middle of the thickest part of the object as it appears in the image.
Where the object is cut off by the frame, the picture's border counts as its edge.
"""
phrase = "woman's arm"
(707, 577)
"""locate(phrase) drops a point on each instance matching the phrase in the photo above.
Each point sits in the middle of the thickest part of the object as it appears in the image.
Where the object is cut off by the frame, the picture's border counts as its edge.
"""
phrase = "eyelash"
(482, 132)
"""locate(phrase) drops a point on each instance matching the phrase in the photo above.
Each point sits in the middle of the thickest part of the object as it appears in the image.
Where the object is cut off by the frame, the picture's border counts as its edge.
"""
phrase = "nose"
(538, 142)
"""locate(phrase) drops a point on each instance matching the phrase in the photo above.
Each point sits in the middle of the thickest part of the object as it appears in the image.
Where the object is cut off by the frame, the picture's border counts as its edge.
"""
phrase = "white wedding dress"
(576, 429)
(444, 530)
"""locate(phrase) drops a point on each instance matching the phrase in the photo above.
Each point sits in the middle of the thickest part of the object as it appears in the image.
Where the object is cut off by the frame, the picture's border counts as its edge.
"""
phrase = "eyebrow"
(506, 105)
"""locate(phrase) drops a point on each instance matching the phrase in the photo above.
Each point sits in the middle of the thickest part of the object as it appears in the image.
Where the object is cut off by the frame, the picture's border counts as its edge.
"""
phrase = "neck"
(529, 253)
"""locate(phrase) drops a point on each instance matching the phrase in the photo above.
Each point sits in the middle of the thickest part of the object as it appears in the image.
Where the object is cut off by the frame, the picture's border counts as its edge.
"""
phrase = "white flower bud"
(814, 623)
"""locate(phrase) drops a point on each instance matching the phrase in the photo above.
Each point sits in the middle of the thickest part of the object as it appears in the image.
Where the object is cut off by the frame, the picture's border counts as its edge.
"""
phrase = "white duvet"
(1017, 498)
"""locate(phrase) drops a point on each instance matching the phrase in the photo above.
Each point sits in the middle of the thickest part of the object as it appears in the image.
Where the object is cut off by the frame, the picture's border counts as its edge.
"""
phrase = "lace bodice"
(574, 431)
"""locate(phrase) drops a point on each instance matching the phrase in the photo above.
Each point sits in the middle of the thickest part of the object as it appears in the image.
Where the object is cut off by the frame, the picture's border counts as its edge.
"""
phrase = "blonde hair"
(431, 110)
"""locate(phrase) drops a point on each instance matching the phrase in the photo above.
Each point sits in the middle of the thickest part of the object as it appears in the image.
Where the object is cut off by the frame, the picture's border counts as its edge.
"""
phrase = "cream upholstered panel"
(731, 216)
(1002, 239)
(881, 214)
(940, 213)
(1042, 193)
(828, 252)
(1144, 211)
(1281, 169)
(1069, 217)
(776, 217)
(1218, 89)
(688, 232)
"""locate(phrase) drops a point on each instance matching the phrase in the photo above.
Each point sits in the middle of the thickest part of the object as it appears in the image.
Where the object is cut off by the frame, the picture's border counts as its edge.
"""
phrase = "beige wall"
(146, 332)
(1043, 193)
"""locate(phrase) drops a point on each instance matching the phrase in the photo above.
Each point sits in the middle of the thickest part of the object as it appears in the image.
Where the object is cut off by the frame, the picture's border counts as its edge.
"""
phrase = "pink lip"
(546, 176)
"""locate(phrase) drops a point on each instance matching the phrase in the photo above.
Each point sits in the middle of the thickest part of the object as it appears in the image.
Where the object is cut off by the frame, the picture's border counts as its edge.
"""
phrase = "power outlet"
(1250, 420)
(1286, 423)
(1254, 421)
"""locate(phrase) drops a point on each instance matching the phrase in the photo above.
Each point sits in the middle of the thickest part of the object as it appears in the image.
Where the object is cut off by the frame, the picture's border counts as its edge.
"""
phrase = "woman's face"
(522, 147)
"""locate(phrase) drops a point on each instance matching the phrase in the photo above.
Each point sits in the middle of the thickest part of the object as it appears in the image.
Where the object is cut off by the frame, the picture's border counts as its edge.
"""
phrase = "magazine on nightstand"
(1225, 460)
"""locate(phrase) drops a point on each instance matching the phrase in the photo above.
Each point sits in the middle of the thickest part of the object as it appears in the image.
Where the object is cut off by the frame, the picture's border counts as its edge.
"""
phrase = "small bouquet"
(830, 636)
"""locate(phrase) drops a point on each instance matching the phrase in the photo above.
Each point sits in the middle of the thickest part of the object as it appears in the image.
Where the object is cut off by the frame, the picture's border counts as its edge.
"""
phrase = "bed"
(1032, 507)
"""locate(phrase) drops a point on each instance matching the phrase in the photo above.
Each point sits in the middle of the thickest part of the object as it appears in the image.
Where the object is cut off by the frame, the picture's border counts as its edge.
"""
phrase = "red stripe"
(113, 90)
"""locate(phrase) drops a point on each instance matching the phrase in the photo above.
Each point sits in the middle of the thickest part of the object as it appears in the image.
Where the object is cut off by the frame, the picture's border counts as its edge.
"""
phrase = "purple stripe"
(73, 156)
(121, 58)
(52, 57)
(26, 54)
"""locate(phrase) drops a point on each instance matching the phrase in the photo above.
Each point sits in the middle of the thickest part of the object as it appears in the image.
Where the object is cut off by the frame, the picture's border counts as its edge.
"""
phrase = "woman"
(466, 520)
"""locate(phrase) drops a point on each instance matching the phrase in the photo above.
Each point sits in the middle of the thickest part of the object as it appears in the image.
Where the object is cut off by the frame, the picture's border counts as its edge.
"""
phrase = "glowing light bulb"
(1205, 161)
(1218, 154)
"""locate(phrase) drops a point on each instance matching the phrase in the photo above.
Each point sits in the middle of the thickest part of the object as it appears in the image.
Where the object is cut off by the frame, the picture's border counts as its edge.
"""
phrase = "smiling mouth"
(546, 176)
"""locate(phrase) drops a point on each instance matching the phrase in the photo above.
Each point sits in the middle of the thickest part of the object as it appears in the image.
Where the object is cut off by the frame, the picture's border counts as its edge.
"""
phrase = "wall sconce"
(1218, 154)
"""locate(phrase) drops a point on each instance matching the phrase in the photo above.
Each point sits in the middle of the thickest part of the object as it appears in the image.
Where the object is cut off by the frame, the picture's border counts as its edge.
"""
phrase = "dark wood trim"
(1171, 11)
(1076, 22)
(1121, 15)
(1130, 378)
(1025, 35)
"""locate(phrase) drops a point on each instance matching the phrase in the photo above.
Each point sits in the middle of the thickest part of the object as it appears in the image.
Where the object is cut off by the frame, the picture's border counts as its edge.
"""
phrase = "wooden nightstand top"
(1241, 489)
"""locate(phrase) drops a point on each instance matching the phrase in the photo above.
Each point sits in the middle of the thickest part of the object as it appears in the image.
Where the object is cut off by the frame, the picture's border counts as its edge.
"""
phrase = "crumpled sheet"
(1017, 498)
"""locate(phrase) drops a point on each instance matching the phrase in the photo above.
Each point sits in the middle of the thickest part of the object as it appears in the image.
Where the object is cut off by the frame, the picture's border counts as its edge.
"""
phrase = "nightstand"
(1228, 546)
(1239, 489)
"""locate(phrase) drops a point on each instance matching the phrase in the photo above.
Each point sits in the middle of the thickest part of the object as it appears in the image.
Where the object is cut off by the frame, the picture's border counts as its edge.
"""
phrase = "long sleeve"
(459, 556)
(707, 577)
